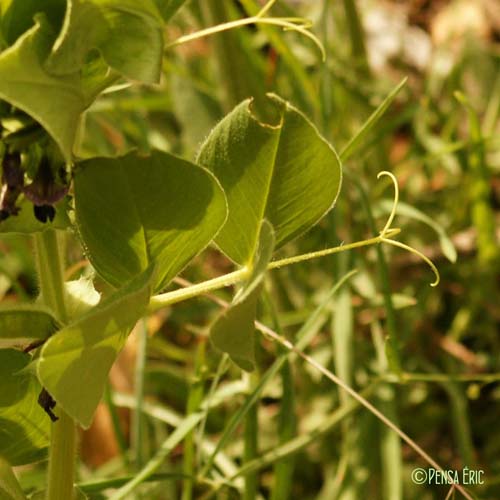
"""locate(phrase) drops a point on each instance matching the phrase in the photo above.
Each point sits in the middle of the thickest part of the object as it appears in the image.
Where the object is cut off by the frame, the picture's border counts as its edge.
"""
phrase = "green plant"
(263, 177)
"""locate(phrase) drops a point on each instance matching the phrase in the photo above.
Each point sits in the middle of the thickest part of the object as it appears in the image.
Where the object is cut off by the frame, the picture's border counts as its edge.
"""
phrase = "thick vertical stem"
(50, 265)
(49, 262)
(62, 458)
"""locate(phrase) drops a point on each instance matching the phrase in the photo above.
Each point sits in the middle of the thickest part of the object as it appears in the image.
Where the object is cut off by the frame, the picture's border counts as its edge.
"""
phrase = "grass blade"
(374, 118)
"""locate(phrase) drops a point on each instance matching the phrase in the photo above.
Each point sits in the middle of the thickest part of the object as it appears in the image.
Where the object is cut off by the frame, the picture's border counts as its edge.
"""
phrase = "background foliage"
(439, 137)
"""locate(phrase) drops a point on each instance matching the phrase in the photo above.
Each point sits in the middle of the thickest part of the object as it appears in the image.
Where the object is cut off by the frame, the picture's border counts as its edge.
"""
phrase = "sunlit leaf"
(24, 427)
(284, 172)
(77, 359)
(133, 211)
(55, 102)
(128, 34)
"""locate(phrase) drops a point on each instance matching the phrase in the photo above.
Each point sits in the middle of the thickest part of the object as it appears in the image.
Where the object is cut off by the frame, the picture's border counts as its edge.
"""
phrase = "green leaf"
(24, 426)
(133, 211)
(286, 173)
(234, 331)
(75, 362)
(55, 102)
(128, 34)
(17, 16)
(10, 489)
(25, 221)
(21, 323)
(369, 125)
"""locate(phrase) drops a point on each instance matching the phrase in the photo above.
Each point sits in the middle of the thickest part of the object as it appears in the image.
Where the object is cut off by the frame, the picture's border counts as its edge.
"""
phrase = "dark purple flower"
(45, 190)
(12, 185)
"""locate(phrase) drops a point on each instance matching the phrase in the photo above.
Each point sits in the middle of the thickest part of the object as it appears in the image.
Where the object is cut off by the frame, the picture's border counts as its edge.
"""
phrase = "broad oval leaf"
(24, 427)
(128, 34)
(75, 362)
(133, 211)
(21, 323)
(286, 173)
(234, 331)
(55, 102)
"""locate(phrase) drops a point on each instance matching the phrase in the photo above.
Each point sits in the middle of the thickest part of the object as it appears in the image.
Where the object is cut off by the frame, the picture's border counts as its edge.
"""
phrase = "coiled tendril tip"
(387, 232)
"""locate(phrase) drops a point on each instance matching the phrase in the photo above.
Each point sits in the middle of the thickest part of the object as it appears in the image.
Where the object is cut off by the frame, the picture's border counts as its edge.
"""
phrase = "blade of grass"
(221, 369)
(300, 442)
(137, 424)
(194, 400)
(390, 444)
(250, 440)
(353, 453)
(97, 485)
(355, 395)
(298, 76)
(304, 336)
(240, 71)
(115, 420)
(166, 415)
(369, 124)
(287, 421)
(356, 35)
(483, 216)
(189, 423)
(358, 397)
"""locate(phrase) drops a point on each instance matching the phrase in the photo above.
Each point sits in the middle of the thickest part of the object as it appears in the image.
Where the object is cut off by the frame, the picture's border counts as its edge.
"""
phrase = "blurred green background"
(441, 138)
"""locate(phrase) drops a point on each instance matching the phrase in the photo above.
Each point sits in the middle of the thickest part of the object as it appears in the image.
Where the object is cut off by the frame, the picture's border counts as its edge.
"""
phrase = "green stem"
(166, 299)
(50, 264)
(62, 458)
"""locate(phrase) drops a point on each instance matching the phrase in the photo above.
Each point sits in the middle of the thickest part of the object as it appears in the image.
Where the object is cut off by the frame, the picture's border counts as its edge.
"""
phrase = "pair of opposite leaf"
(260, 186)
(164, 210)
(136, 213)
